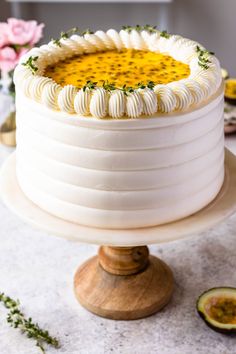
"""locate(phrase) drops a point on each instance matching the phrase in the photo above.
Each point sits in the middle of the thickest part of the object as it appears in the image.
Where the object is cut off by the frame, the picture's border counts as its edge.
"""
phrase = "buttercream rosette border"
(101, 103)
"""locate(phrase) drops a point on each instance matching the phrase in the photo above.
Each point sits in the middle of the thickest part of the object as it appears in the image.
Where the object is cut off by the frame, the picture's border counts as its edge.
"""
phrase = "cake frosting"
(100, 103)
(110, 160)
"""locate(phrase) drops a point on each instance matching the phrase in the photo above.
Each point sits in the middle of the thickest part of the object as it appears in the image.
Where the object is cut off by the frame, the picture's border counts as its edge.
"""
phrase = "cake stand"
(122, 282)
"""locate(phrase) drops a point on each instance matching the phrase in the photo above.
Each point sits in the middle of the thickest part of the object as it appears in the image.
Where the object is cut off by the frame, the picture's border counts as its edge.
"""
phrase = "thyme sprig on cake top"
(108, 74)
(30, 63)
(148, 28)
(203, 57)
(69, 33)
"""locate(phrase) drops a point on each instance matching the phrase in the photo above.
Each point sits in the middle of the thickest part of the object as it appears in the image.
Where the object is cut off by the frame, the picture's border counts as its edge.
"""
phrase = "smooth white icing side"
(120, 173)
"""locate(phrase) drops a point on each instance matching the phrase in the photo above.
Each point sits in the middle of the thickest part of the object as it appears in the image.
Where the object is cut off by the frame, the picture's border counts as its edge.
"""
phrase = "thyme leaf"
(165, 34)
(17, 319)
(203, 57)
(65, 35)
(90, 85)
(148, 28)
(30, 63)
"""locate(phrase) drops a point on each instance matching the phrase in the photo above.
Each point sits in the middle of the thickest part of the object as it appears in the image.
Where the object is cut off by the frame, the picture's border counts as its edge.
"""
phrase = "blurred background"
(211, 22)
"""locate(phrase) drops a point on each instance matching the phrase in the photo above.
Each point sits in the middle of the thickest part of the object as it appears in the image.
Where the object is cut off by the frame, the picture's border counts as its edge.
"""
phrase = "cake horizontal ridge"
(115, 219)
(125, 141)
(119, 161)
(117, 200)
(121, 180)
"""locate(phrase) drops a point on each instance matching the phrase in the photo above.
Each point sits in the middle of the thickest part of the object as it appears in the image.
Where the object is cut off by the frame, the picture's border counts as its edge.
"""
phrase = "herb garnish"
(203, 57)
(30, 63)
(66, 35)
(126, 89)
(148, 28)
(87, 31)
(17, 320)
(165, 34)
(150, 85)
(90, 85)
(108, 86)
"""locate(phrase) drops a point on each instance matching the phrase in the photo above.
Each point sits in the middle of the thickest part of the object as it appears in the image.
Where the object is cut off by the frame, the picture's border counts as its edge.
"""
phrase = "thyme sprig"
(148, 28)
(65, 35)
(87, 31)
(149, 84)
(16, 319)
(91, 85)
(70, 32)
(108, 86)
(126, 89)
(203, 57)
(165, 34)
(30, 63)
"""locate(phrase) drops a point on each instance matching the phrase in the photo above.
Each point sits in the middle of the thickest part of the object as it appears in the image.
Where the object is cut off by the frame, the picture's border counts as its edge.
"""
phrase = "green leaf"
(32, 330)
(30, 63)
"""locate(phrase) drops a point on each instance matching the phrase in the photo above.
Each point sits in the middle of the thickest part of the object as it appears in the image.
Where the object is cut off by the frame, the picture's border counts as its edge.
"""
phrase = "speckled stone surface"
(38, 269)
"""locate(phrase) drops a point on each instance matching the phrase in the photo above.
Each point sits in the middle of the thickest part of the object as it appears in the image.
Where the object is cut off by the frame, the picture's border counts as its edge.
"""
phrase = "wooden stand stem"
(123, 283)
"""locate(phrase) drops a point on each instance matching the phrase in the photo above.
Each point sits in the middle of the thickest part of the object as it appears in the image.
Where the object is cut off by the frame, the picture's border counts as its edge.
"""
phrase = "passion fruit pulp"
(230, 91)
(217, 307)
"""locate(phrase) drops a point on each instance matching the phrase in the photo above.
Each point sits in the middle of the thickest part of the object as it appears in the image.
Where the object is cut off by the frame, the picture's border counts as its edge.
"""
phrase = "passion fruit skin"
(231, 101)
(229, 329)
(230, 93)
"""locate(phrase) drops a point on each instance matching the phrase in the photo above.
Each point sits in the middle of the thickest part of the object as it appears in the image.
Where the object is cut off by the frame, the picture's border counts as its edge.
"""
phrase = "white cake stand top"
(222, 207)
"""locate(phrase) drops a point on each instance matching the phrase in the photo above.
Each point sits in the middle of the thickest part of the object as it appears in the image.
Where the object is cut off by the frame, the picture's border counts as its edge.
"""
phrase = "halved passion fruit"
(217, 307)
(230, 91)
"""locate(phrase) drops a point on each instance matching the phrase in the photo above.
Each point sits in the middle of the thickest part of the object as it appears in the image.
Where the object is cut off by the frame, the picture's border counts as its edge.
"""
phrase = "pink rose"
(24, 32)
(8, 59)
(38, 32)
(3, 34)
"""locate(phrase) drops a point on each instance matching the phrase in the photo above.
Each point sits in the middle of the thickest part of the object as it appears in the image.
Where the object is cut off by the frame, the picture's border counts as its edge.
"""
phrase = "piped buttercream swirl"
(149, 101)
(166, 98)
(178, 95)
(82, 102)
(134, 104)
(99, 103)
(66, 99)
(116, 105)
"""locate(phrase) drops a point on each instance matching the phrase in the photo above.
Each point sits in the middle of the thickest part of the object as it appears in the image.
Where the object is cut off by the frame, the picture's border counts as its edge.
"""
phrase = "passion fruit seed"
(125, 67)
(217, 307)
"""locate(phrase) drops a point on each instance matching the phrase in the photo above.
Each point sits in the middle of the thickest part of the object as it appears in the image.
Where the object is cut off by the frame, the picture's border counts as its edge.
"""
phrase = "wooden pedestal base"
(123, 283)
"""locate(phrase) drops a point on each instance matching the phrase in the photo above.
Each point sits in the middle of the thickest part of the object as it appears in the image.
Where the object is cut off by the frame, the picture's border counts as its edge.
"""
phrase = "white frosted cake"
(101, 145)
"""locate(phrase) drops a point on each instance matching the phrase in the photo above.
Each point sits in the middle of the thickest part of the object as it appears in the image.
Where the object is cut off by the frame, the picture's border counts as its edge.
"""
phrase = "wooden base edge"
(123, 297)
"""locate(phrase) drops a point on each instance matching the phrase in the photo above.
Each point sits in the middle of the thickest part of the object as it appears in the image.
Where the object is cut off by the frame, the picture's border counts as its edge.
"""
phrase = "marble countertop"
(38, 269)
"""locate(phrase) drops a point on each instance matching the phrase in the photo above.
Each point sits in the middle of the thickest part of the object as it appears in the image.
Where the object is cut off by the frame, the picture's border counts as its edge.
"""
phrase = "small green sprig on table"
(30, 63)
(148, 28)
(32, 330)
(70, 32)
(203, 57)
